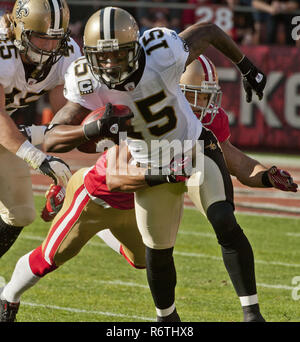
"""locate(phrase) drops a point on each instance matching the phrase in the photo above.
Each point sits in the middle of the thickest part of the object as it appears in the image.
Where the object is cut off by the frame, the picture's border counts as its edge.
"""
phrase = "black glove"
(253, 79)
(109, 126)
(179, 171)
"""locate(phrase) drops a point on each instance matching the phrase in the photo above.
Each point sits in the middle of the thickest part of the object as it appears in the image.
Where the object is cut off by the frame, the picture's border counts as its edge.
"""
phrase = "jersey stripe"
(65, 223)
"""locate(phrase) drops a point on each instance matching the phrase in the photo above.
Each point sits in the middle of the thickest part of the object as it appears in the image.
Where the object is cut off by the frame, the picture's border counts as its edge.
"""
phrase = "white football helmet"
(111, 46)
(201, 77)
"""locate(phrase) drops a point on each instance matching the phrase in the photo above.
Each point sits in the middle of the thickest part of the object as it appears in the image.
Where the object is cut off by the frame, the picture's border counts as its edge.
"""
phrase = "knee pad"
(20, 216)
(221, 217)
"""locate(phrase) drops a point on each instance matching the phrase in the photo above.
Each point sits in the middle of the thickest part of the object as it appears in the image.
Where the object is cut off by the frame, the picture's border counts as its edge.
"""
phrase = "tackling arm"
(247, 170)
(120, 175)
(124, 177)
(251, 173)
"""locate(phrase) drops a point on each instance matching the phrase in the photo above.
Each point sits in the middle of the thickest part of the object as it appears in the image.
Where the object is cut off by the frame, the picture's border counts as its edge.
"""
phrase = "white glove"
(57, 169)
(47, 165)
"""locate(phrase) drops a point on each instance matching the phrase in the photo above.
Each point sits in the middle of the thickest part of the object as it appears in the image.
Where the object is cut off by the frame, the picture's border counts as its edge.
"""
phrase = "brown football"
(90, 146)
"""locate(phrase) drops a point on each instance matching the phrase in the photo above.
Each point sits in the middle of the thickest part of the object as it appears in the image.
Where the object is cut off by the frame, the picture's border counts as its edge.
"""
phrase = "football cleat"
(54, 200)
(8, 311)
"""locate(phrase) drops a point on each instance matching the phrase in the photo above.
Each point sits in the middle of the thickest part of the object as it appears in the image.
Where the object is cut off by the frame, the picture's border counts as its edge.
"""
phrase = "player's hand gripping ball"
(105, 123)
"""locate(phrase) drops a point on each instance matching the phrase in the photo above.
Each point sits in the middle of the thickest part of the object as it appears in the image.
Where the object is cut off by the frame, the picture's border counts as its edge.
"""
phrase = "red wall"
(272, 124)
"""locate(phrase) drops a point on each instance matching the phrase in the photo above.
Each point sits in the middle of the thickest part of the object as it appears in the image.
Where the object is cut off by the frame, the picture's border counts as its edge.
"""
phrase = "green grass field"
(99, 286)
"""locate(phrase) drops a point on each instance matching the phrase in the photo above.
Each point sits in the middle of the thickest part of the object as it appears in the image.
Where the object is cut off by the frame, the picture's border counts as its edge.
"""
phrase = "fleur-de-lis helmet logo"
(21, 10)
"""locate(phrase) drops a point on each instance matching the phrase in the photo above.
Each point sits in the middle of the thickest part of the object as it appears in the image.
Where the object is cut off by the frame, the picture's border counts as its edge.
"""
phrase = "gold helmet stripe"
(56, 14)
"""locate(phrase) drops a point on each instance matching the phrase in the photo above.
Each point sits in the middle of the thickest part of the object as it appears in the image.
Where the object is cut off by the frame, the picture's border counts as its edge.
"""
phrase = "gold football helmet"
(201, 77)
(46, 19)
(111, 46)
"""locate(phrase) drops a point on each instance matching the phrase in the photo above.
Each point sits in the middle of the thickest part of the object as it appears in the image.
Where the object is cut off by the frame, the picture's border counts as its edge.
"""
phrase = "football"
(91, 145)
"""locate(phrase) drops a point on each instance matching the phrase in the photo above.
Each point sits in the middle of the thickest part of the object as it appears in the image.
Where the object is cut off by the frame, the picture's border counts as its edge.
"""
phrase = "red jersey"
(219, 126)
(95, 184)
(95, 179)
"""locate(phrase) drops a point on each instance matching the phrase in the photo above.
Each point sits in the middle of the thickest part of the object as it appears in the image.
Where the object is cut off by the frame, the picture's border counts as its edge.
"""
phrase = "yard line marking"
(187, 254)
(278, 286)
(267, 206)
(123, 283)
(293, 234)
(200, 255)
(103, 313)
(120, 282)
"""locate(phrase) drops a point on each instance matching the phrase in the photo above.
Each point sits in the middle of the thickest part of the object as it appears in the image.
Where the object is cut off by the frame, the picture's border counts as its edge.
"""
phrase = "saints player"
(35, 51)
(144, 75)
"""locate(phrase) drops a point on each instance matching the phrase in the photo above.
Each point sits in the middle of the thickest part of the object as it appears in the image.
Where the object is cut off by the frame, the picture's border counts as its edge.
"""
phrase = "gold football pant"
(16, 198)
(80, 219)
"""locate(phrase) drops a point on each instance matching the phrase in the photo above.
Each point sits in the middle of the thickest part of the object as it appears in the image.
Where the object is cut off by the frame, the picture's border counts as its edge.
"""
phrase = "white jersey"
(19, 92)
(162, 115)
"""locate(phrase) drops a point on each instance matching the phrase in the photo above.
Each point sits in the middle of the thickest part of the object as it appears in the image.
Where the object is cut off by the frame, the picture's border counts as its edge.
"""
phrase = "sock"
(161, 276)
(107, 236)
(165, 312)
(8, 235)
(168, 315)
(22, 279)
(239, 261)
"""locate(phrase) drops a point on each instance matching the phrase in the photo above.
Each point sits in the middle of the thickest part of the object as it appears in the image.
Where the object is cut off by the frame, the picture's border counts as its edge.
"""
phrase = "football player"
(144, 73)
(35, 53)
(200, 86)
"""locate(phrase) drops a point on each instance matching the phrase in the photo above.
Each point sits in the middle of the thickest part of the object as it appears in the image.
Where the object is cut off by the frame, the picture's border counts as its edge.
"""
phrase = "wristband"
(265, 180)
(153, 180)
(244, 65)
(92, 129)
(31, 155)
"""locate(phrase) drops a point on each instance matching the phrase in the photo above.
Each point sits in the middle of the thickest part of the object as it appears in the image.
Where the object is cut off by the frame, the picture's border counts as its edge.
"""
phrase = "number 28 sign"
(219, 15)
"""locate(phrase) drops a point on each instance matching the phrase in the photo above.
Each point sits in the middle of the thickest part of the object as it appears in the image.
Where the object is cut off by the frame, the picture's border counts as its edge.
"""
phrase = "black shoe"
(173, 317)
(252, 314)
(8, 311)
